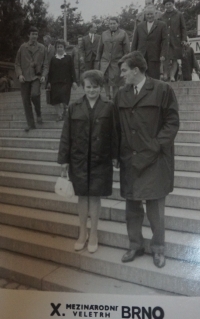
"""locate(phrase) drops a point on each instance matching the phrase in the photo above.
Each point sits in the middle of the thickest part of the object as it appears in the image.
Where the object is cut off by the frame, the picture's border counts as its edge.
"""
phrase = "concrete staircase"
(38, 228)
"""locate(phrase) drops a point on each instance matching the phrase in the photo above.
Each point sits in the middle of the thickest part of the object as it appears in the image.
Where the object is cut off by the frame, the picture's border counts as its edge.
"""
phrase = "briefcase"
(48, 96)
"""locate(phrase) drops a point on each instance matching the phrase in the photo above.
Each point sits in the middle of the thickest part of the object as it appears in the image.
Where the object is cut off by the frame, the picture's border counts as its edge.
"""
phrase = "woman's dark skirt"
(60, 93)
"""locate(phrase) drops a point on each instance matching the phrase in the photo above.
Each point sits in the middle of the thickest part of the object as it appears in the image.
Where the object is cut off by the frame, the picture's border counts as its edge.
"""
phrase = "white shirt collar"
(140, 85)
(60, 56)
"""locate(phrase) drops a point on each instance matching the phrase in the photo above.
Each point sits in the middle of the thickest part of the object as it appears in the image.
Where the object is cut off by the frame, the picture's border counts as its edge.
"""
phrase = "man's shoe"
(131, 254)
(28, 128)
(39, 120)
(159, 260)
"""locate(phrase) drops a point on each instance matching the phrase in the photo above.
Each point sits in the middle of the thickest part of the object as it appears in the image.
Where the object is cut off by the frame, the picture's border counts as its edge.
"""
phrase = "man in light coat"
(88, 48)
(150, 38)
(31, 67)
(113, 44)
(149, 122)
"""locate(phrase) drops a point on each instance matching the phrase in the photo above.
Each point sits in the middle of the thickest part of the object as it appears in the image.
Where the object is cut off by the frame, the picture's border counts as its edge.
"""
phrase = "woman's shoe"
(79, 246)
(92, 248)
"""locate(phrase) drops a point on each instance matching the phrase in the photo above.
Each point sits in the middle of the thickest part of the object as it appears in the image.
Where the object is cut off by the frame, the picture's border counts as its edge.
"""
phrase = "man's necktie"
(135, 90)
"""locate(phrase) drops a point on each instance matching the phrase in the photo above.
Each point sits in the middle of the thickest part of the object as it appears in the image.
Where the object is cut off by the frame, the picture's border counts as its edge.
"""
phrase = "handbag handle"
(64, 173)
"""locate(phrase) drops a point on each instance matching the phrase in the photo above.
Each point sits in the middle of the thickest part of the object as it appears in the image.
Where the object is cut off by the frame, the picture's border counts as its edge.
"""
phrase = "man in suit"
(31, 67)
(149, 121)
(150, 38)
(88, 48)
(113, 44)
(50, 51)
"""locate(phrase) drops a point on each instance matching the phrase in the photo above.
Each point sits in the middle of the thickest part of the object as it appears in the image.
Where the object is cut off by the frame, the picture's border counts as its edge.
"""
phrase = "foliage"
(11, 24)
(35, 14)
(190, 9)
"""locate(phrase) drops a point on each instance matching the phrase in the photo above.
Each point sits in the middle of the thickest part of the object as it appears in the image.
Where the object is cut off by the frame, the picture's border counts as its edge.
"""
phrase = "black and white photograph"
(100, 148)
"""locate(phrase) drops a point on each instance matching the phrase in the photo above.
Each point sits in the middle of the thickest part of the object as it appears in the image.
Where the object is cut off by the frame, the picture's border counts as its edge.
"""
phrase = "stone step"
(187, 149)
(184, 84)
(182, 179)
(190, 126)
(184, 125)
(187, 137)
(36, 143)
(178, 219)
(189, 116)
(189, 98)
(22, 124)
(177, 276)
(179, 245)
(7, 143)
(187, 91)
(49, 276)
(29, 154)
(180, 197)
(182, 136)
(41, 133)
(187, 163)
(11, 169)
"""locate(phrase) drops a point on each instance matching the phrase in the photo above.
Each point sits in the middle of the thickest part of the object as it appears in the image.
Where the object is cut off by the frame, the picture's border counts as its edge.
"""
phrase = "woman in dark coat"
(88, 147)
(61, 79)
(176, 37)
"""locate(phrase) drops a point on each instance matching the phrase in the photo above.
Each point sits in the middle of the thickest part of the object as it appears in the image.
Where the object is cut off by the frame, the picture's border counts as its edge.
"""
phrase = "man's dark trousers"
(153, 68)
(92, 64)
(30, 91)
(134, 220)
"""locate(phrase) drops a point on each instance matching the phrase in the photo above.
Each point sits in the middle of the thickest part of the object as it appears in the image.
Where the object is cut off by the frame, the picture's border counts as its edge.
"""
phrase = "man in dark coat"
(150, 38)
(177, 36)
(149, 122)
(31, 67)
(88, 48)
(113, 44)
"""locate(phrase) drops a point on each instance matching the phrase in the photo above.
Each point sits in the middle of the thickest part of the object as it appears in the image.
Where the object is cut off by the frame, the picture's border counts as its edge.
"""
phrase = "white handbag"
(64, 187)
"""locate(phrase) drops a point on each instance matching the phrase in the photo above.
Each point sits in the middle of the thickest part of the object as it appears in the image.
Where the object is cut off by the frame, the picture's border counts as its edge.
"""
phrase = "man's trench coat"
(110, 50)
(90, 161)
(148, 124)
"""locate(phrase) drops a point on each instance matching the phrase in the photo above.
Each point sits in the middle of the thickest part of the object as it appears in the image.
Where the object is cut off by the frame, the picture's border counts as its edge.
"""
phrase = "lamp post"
(66, 9)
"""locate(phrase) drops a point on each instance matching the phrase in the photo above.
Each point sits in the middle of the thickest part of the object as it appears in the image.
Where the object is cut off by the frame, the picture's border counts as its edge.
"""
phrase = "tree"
(35, 14)
(11, 24)
(190, 9)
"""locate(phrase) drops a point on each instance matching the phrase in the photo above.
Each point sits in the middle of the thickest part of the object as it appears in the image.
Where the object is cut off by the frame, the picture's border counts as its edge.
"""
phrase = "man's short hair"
(165, 1)
(62, 42)
(114, 18)
(133, 60)
(94, 76)
(33, 29)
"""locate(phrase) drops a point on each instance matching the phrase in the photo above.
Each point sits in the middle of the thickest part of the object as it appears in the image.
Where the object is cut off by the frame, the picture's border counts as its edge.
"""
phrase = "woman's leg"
(83, 214)
(173, 70)
(94, 211)
(59, 110)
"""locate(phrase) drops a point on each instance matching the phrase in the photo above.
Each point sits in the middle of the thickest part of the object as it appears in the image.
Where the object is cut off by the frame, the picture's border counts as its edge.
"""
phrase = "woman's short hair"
(114, 18)
(94, 76)
(62, 42)
(133, 60)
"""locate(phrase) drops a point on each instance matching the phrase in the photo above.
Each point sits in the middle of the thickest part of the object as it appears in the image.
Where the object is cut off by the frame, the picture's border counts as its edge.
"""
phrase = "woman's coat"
(90, 170)
(149, 123)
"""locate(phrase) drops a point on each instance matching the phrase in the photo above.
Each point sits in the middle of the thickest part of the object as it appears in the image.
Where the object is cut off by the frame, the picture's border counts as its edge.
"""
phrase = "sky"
(89, 8)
